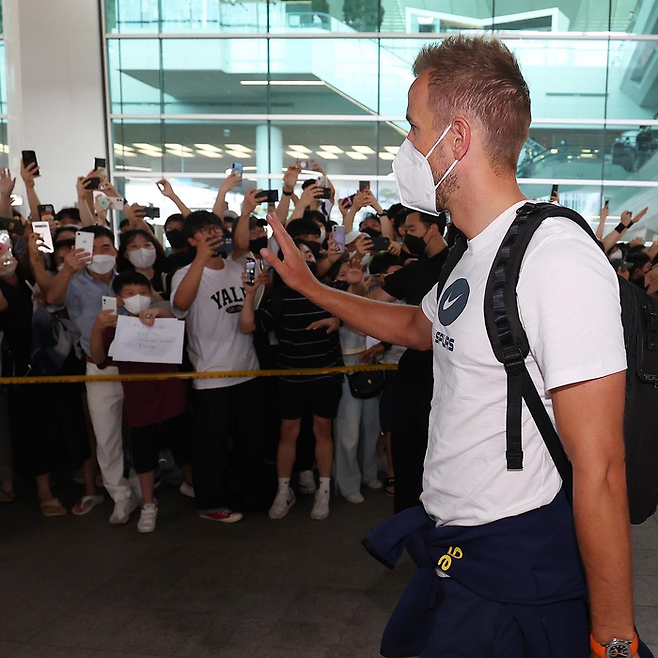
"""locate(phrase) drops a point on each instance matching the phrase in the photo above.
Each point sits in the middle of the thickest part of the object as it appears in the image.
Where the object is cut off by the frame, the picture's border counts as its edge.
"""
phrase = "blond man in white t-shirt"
(469, 111)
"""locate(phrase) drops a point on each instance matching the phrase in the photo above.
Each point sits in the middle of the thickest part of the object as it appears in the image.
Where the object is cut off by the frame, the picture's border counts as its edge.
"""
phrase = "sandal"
(7, 496)
(52, 507)
(94, 500)
(389, 486)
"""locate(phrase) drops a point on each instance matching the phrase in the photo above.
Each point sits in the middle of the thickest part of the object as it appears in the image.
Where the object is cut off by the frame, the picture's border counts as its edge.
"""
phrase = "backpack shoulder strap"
(508, 338)
(454, 256)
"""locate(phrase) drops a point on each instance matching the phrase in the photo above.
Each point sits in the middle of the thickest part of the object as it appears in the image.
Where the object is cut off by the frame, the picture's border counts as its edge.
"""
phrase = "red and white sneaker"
(223, 515)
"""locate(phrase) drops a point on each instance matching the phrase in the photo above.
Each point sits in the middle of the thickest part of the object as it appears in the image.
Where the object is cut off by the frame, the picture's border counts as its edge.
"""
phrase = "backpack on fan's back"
(510, 345)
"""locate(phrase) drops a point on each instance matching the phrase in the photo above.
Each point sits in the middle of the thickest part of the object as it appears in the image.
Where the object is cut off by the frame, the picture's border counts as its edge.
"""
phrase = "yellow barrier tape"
(75, 379)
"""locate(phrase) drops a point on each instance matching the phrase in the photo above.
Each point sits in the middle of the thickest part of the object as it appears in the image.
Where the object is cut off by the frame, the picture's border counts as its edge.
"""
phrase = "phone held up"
(250, 271)
(85, 241)
(45, 241)
(554, 190)
(338, 234)
(12, 225)
(237, 169)
(109, 304)
(268, 196)
(30, 157)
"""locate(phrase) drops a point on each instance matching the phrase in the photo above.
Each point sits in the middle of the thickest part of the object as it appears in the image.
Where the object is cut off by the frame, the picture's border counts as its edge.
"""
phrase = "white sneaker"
(147, 518)
(355, 498)
(284, 500)
(186, 489)
(122, 510)
(307, 482)
(374, 484)
(320, 509)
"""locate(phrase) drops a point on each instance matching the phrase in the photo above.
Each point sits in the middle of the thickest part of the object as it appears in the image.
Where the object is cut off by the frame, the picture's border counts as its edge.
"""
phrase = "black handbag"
(365, 385)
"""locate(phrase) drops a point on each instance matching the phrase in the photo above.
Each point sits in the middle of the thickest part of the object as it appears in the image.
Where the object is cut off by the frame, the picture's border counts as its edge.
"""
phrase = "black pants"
(174, 433)
(48, 431)
(228, 458)
(413, 399)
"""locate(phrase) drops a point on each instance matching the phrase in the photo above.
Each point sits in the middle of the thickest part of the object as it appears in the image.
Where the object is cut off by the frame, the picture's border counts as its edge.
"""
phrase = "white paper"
(371, 342)
(135, 342)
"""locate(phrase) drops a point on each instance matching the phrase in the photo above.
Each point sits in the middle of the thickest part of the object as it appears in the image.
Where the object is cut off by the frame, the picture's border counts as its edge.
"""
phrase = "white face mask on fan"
(136, 304)
(102, 263)
(142, 258)
(414, 177)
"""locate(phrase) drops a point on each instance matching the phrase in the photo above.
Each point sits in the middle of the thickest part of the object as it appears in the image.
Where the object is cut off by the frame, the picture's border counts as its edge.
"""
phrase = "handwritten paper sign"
(161, 343)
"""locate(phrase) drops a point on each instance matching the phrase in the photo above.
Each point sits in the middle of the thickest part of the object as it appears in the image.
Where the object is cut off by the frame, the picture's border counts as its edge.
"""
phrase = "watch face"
(618, 649)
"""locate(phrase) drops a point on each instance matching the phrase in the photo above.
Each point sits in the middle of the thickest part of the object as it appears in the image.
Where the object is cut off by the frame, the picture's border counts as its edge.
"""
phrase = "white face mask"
(60, 267)
(323, 234)
(142, 258)
(102, 263)
(137, 303)
(414, 178)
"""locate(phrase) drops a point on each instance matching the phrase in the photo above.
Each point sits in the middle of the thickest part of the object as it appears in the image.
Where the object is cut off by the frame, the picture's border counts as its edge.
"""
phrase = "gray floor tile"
(324, 604)
(7, 649)
(646, 591)
(41, 651)
(645, 561)
(318, 639)
(86, 627)
(227, 637)
(158, 632)
(645, 535)
(646, 619)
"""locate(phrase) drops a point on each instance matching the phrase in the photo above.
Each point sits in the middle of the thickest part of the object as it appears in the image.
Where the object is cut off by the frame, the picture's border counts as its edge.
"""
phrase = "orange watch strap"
(599, 650)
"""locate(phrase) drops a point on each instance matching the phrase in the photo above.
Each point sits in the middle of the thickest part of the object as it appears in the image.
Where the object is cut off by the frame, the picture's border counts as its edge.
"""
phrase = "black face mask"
(176, 238)
(314, 268)
(414, 244)
(373, 233)
(256, 245)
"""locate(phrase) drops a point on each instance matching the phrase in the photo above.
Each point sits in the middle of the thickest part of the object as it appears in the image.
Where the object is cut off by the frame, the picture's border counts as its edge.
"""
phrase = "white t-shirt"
(568, 298)
(214, 339)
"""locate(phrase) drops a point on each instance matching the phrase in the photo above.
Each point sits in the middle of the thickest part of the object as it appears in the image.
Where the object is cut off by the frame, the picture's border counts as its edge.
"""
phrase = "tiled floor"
(78, 588)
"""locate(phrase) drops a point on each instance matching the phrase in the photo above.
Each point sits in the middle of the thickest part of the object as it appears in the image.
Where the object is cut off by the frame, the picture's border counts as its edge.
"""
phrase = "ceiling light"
(133, 168)
(331, 148)
(327, 155)
(392, 149)
(299, 147)
(173, 146)
(209, 154)
(298, 155)
(241, 155)
(425, 20)
(208, 147)
(283, 83)
(252, 168)
(355, 155)
(363, 149)
(383, 155)
(143, 145)
(238, 147)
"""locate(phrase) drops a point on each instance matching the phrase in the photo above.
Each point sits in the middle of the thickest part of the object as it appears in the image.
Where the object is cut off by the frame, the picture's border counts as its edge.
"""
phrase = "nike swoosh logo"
(449, 302)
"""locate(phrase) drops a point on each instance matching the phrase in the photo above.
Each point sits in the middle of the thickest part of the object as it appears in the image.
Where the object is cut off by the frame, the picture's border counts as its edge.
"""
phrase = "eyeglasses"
(209, 230)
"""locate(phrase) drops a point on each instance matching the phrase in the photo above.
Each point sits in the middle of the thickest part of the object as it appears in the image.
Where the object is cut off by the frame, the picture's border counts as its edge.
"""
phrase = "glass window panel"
(564, 151)
(632, 153)
(131, 16)
(224, 76)
(134, 73)
(633, 80)
(3, 76)
(323, 76)
(623, 197)
(4, 148)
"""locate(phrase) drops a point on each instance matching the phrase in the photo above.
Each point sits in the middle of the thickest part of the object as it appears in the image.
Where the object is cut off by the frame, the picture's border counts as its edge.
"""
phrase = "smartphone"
(42, 229)
(84, 240)
(554, 190)
(250, 270)
(99, 163)
(151, 211)
(109, 303)
(350, 198)
(30, 157)
(93, 183)
(46, 212)
(226, 247)
(364, 185)
(607, 203)
(338, 234)
(380, 244)
(268, 196)
(237, 169)
(326, 193)
(309, 165)
(13, 225)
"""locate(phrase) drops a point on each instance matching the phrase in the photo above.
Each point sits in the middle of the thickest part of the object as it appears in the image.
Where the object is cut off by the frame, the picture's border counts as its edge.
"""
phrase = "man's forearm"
(390, 323)
(602, 526)
(189, 287)
(220, 204)
(34, 203)
(610, 240)
(184, 210)
(247, 317)
(241, 233)
(87, 217)
(5, 206)
(59, 285)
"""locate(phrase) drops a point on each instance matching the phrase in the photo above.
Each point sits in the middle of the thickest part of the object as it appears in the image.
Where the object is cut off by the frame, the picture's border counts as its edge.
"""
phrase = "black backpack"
(510, 345)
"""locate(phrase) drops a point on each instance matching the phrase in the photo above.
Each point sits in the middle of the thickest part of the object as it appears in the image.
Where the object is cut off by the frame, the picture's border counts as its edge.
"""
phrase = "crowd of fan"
(233, 444)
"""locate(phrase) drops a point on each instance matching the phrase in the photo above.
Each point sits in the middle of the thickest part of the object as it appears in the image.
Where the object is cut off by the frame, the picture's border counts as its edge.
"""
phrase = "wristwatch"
(283, 189)
(616, 648)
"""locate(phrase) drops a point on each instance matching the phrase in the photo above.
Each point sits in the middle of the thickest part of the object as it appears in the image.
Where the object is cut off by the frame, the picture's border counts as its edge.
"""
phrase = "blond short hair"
(480, 79)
